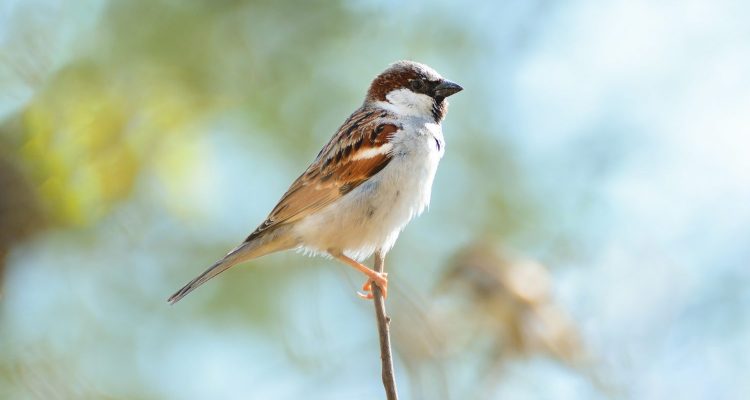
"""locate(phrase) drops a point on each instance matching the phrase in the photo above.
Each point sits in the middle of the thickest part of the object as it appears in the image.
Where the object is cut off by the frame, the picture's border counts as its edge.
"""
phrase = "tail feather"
(246, 251)
(218, 267)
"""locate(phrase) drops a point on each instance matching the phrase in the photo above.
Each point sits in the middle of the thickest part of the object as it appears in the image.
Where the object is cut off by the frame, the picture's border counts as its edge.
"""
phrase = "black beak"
(447, 88)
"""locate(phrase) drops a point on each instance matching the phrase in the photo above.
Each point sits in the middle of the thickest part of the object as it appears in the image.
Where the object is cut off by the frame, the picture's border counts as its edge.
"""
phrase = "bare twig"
(386, 357)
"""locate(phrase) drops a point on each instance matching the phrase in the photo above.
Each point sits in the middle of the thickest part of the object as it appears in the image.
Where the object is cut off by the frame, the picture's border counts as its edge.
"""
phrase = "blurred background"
(588, 235)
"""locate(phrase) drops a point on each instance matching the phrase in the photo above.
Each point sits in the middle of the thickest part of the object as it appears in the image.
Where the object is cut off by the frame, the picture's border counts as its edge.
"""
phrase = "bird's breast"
(372, 215)
(414, 164)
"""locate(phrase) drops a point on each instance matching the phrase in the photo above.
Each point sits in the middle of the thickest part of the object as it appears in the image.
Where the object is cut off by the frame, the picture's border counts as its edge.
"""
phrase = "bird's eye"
(417, 85)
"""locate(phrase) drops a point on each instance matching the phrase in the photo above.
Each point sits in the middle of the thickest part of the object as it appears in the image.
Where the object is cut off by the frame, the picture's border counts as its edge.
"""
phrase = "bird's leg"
(380, 279)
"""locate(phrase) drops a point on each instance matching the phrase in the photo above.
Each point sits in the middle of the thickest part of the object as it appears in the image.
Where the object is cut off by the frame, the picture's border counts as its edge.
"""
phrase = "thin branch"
(386, 357)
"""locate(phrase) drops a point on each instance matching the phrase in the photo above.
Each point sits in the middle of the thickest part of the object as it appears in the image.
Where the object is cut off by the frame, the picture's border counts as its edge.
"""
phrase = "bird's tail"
(246, 251)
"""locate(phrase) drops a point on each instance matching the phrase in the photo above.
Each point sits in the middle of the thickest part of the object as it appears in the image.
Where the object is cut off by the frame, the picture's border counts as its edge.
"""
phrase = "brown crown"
(397, 76)
(390, 80)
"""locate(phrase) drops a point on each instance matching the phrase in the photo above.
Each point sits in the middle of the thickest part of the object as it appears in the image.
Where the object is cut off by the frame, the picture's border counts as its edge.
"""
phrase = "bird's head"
(412, 89)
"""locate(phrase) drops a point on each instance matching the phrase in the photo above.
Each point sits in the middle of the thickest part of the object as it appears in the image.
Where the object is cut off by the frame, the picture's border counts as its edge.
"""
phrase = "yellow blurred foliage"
(88, 135)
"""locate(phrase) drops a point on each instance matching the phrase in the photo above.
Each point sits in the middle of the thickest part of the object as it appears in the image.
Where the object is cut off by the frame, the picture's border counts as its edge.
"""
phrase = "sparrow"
(372, 177)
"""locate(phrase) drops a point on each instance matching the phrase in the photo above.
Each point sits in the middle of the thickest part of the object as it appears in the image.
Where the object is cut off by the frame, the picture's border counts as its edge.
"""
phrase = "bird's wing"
(360, 149)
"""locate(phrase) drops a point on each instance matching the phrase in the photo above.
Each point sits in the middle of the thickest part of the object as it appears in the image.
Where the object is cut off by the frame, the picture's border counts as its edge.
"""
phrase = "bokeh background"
(588, 236)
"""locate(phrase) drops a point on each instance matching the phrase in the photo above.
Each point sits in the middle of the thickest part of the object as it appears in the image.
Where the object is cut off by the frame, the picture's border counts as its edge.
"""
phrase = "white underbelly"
(371, 216)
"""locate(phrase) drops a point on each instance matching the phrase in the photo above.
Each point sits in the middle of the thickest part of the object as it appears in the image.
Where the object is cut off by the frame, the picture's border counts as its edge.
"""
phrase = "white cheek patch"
(433, 128)
(406, 102)
(373, 152)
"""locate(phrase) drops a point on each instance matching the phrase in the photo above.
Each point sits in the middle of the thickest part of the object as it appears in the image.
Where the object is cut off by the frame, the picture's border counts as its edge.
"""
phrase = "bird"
(373, 176)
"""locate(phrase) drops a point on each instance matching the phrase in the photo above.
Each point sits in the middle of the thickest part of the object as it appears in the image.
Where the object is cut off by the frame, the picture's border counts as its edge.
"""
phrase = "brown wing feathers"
(353, 155)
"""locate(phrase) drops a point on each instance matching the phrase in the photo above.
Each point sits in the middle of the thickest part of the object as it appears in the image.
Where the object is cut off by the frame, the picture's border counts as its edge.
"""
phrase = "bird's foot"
(379, 279)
